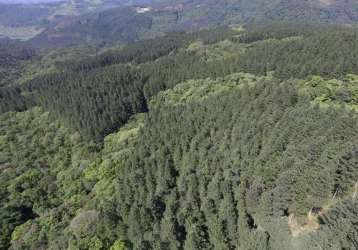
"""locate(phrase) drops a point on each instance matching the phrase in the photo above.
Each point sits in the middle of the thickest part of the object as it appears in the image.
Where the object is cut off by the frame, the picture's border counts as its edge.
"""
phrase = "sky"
(29, 1)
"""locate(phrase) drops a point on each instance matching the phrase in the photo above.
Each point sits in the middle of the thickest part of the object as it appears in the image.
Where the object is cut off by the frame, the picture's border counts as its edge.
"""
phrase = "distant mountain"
(103, 21)
(118, 25)
(200, 12)
(24, 19)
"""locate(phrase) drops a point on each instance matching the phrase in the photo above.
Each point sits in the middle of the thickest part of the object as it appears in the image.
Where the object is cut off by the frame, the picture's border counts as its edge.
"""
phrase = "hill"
(218, 139)
(24, 20)
(118, 25)
(108, 22)
(123, 25)
(12, 57)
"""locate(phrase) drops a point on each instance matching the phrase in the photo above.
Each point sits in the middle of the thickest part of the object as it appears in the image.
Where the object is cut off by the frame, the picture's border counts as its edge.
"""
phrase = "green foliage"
(10, 217)
(338, 225)
(325, 51)
(81, 98)
(333, 92)
(52, 61)
(219, 161)
(94, 103)
(150, 49)
(40, 161)
(118, 245)
(98, 96)
(48, 173)
(245, 155)
(84, 222)
(12, 56)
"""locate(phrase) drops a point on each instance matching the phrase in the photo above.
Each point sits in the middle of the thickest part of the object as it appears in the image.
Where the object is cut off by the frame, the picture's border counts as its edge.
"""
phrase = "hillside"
(12, 57)
(218, 139)
(122, 25)
(67, 23)
(25, 19)
(234, 11)
(164, 16)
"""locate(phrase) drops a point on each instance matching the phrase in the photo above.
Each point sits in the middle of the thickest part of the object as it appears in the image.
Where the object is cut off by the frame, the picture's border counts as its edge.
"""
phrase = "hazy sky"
(29, 1)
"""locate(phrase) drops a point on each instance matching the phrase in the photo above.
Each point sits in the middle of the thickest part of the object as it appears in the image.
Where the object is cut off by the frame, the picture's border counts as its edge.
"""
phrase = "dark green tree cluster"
(11, 99)
(338, 225)
(254, 32)
(208, 173)
(98, 97)
(139, 52)
(217, 164)
(331, 53)
(12, 55)
(96, 102)
(151, 49)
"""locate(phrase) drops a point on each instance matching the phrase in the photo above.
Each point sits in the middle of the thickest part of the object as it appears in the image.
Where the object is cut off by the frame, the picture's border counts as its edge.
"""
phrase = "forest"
(226, 138)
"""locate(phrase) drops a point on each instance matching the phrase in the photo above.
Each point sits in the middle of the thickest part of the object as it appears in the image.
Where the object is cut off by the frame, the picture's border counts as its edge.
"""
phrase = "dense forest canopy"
(131, 75)
(226, 138)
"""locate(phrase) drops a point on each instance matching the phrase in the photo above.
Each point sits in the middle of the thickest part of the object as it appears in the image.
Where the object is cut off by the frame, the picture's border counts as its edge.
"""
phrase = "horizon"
(29, 1)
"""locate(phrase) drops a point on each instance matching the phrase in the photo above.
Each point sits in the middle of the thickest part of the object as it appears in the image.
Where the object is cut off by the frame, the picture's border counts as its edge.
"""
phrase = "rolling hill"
(179, 125)
(117, 25)
(218, 139)
(24, 20)
(121, 25)
(97, 22)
